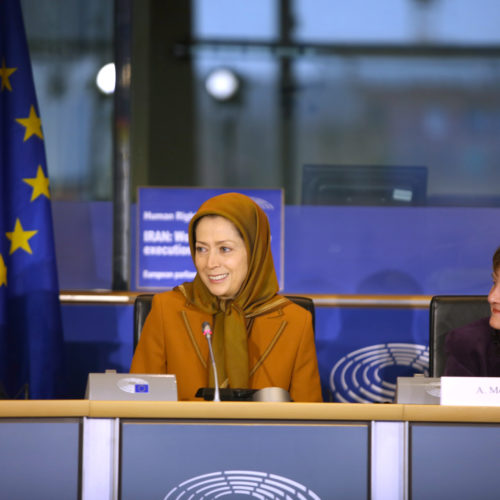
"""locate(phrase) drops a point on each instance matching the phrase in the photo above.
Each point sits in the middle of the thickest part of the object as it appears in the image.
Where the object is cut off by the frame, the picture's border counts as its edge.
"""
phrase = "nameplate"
(470, 391)
(131, 387)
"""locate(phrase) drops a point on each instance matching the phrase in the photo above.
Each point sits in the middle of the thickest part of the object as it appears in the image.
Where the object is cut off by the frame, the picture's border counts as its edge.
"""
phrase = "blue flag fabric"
(31, 343)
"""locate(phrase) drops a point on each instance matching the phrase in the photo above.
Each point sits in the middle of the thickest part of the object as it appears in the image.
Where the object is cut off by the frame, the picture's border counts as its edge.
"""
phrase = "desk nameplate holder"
(470, 391)
(131, 387)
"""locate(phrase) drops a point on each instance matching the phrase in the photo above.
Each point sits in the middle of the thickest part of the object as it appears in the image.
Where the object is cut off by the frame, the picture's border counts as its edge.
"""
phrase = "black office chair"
(142, 306)
(448, 312)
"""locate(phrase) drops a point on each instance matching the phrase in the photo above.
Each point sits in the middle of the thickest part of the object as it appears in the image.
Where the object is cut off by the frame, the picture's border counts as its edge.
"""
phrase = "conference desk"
(171, 450)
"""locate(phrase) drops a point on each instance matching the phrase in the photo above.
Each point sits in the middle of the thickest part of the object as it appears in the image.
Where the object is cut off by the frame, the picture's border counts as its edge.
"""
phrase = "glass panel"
(239, 140)
(437, 112)
(69, 42)
(397, 21)
(229, 19)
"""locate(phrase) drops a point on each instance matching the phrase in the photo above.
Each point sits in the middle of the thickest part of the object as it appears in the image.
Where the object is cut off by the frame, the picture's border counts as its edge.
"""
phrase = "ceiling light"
(106, 78)
(222, 84)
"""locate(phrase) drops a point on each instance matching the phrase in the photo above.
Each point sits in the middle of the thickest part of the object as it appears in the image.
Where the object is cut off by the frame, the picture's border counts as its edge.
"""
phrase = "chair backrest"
(142, 306)
(448, 312)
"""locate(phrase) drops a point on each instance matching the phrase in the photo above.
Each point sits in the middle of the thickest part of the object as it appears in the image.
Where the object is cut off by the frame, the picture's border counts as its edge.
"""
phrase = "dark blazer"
(281, 348)
(473, 351)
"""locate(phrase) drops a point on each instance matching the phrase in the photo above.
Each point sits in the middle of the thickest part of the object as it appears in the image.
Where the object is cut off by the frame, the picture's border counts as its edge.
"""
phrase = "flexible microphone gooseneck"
(207, 331)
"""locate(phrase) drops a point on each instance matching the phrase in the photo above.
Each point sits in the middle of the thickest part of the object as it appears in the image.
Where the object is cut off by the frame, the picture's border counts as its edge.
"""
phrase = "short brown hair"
(496, 260)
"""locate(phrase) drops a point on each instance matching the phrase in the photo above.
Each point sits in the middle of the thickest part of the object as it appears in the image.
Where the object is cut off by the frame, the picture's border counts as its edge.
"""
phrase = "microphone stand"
(207, 331)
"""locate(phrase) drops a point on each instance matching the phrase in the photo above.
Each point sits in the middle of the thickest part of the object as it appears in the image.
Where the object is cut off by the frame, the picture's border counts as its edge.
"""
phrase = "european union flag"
(30, 318)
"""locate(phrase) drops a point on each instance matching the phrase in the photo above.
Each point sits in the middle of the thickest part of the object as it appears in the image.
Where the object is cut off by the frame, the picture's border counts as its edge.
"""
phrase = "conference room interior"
(378, 121)
(368, 132)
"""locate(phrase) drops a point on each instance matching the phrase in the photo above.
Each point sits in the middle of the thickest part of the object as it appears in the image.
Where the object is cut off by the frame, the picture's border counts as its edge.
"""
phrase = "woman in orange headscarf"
(260, 339)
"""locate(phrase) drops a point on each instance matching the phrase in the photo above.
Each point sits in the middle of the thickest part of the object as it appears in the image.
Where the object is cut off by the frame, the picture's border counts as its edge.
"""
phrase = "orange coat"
(281, 348)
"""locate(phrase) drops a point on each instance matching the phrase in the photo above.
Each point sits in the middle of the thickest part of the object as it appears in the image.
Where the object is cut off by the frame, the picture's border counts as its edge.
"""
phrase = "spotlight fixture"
(222, 84)
(106, 79)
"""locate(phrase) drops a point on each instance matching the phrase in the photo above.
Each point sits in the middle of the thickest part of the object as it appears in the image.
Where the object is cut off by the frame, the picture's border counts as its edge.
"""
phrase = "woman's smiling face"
(221, 257)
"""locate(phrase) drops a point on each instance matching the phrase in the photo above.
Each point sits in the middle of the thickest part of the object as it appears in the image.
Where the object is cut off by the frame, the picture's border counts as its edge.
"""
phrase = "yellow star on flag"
(19, 238)
(33, 125)
(4, 75)
(3, 272)
(40, 184)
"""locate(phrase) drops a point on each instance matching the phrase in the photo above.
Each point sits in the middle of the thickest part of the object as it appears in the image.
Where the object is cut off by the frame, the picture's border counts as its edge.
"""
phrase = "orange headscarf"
(257, 295)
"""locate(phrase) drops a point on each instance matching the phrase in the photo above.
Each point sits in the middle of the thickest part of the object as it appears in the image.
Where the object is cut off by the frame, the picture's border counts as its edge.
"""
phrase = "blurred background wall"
(396, 82)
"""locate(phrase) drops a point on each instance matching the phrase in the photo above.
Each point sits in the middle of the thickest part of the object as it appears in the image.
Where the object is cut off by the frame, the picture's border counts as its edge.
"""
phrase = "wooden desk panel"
(389, 433)
(248, 410)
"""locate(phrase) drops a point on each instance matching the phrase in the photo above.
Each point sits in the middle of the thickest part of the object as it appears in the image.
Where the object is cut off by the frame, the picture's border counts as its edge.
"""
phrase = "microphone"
(207, 332)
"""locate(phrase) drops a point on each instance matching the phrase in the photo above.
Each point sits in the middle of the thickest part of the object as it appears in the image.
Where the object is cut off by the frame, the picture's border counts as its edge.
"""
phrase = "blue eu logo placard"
(141, 388)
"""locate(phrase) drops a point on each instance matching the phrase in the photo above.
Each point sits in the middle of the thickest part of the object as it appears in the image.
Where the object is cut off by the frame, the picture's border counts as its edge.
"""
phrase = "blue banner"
(30, 318)
(163, 256)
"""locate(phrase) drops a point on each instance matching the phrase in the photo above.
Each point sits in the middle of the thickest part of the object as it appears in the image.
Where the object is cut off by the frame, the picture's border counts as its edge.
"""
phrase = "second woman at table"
(473, 350)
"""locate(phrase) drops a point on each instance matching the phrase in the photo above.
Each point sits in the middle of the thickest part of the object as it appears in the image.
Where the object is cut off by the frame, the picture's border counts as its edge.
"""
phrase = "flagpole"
(121, 145)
